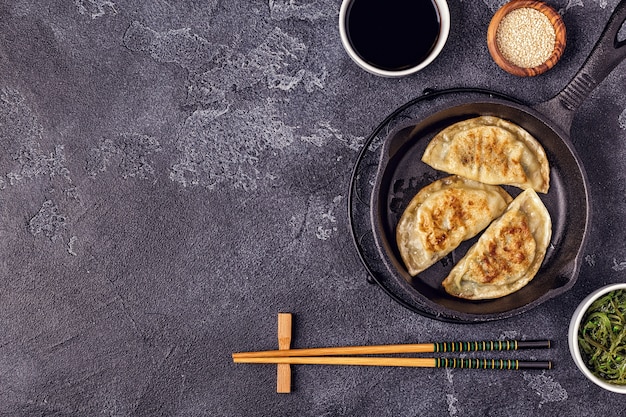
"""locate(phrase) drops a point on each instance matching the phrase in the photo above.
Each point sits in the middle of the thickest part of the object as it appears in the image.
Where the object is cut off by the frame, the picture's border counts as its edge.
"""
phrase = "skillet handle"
(607, 53)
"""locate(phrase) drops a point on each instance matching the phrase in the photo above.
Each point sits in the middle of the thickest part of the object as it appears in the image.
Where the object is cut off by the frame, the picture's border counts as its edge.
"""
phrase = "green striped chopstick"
(498, 345)
(501, 364)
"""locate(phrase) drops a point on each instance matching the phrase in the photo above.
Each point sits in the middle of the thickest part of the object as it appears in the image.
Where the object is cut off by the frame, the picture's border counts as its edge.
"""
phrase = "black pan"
(401, 174)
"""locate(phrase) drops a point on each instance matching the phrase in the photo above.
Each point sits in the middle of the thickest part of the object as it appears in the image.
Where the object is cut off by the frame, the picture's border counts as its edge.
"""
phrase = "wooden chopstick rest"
(283, 370)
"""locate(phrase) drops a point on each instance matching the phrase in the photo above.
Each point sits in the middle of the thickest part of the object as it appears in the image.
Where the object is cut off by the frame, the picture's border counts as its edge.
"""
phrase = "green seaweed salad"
(602, 337)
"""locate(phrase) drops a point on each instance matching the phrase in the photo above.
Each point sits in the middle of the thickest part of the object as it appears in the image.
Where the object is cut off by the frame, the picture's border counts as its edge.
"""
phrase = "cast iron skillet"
(401, 174)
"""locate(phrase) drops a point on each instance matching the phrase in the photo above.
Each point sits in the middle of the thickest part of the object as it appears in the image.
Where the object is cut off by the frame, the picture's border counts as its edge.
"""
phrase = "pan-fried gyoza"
(442, 215)
(482, 152)
(507, 255)
(490, 150)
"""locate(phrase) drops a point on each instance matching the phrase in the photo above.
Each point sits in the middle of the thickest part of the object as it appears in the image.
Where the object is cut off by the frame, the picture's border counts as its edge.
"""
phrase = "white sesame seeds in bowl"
(526, 37)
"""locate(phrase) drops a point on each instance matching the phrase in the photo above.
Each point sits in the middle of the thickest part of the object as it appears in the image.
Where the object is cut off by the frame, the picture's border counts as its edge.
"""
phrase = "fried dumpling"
(490, 150)
(507, 255)
(442, 215)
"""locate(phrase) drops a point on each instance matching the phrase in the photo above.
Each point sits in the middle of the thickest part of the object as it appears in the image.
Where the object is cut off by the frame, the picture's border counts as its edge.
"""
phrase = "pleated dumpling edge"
(490, 150)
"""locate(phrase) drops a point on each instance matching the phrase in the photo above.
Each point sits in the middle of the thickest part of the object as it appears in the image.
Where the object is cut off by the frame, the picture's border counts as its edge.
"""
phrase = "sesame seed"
(525, 37)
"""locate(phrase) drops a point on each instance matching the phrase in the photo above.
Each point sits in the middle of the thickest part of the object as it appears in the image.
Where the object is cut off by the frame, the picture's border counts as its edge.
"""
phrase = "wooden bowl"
(559, 44)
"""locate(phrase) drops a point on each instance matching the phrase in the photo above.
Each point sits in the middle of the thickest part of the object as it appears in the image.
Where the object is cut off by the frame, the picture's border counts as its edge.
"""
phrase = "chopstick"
(498, 345)
(499, 364)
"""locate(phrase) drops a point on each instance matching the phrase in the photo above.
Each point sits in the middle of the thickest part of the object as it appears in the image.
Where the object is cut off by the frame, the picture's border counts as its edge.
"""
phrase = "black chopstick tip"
(534, 344)
(538, 365)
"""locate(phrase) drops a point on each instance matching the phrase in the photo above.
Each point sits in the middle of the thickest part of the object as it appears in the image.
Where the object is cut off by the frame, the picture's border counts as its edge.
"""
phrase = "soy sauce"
(393, 35)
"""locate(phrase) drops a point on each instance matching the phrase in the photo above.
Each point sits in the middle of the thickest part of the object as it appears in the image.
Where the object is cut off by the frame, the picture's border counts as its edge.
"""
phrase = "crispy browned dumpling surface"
(507, 255)
(490, 150)
(444, 214)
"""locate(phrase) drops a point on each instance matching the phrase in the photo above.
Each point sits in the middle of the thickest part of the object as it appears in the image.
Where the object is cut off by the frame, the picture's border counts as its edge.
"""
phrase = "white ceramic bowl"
(573, 337)
(444, 16)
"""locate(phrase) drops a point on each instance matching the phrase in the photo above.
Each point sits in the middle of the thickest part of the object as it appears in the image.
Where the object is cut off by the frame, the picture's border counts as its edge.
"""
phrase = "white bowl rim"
(444, 15)
(573, 336)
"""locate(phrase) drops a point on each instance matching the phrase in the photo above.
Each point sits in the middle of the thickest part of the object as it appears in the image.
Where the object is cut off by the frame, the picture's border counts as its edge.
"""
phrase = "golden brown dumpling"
(490, 150)
(507, 255)
(442, 215)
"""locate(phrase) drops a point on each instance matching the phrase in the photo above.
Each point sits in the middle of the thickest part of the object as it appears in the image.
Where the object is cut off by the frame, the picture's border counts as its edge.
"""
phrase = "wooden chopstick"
(499, 345)
(502, 364)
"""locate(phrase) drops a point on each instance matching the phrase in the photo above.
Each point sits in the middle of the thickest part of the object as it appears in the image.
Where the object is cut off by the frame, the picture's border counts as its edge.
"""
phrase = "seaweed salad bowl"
(597, 337)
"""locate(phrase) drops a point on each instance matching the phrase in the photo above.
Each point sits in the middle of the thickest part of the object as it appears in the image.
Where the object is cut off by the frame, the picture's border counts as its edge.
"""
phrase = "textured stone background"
(174, 174)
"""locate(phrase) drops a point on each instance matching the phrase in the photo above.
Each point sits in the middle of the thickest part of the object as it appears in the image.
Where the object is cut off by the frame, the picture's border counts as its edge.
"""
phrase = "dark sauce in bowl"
(393, 35)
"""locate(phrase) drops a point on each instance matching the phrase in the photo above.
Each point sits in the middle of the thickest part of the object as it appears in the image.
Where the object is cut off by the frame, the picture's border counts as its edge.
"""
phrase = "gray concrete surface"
(174, 174)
